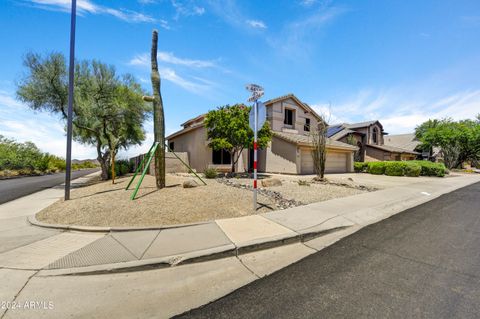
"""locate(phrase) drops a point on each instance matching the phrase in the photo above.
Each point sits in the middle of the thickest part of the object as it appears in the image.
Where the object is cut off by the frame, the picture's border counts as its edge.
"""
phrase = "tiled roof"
(306, 140)
(405, 141)
(392, 149)
(360, 124)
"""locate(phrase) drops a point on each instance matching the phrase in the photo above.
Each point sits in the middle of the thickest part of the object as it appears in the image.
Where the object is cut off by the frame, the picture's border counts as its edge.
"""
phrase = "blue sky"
(400, 62)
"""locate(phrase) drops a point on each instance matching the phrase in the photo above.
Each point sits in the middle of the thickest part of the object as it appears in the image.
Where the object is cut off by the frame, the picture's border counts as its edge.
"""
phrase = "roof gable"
(301, 104)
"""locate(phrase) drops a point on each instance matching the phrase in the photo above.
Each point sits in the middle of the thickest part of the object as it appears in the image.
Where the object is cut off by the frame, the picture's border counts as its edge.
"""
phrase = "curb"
(229, 250)
(99, 229)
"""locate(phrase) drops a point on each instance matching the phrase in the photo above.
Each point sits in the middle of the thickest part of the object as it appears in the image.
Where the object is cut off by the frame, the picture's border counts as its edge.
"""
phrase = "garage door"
(336, 162)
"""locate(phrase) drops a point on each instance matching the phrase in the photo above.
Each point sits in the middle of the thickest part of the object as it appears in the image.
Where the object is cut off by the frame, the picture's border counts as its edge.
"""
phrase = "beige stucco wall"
(194, 144)
(279, 157)
(276, 115)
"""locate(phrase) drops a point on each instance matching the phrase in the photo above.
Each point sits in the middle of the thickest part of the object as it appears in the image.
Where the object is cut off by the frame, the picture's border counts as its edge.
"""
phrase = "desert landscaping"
(103, 204)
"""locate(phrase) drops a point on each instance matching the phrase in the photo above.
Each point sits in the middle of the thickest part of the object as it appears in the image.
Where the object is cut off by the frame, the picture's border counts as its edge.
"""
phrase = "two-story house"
(370, 140)
(288, 152)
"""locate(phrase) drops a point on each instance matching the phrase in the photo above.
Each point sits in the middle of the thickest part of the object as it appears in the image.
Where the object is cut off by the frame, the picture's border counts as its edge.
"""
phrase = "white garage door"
(336, 162)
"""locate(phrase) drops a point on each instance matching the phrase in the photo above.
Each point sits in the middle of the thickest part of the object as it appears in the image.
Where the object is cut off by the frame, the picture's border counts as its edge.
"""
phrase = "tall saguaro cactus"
(158, 116)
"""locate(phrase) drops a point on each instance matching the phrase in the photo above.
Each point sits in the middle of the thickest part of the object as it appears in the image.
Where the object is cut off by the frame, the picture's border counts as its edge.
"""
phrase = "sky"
(400, 62)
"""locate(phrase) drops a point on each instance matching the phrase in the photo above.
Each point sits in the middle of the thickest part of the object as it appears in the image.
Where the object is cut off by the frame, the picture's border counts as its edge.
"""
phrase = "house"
(410, 142)
(288, 152)
(370, 138)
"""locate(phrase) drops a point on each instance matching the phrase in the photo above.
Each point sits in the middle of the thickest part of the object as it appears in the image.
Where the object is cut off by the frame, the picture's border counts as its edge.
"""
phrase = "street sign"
(261, 116)
(256, 121)
(257, 92)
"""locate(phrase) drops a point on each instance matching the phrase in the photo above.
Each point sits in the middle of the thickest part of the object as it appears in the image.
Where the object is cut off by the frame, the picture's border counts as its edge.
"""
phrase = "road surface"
(14, 188)
(421, 263)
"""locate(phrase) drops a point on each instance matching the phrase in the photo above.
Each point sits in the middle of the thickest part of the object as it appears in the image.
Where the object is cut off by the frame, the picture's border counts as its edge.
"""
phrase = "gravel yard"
(104, 204)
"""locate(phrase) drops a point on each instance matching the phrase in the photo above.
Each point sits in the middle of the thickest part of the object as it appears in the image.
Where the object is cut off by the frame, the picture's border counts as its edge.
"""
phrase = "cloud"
(400, 112)
(18, 122)
(295, 39)
(186, 8)
(196, 84)
(89, 7)
(170, 58)
(257, 24)
(307, 3)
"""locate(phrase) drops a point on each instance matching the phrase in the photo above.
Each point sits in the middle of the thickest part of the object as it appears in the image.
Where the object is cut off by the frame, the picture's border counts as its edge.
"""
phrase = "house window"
(375, 136)
(221, 157)
(306, 127)
(171, 146)
(288, 117)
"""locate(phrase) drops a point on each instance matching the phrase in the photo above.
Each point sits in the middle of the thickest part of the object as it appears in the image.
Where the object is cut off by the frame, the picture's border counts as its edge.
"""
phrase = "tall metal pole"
(71, 71)
(255, 115)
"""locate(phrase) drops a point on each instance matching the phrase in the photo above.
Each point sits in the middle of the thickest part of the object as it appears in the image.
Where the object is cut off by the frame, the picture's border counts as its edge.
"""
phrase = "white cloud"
(295, 39)
(307, 3)
(89, 7)
(257, 24)
(170, 58)
(186, 8)
(47, 132)
(199, 86)
(400, 112)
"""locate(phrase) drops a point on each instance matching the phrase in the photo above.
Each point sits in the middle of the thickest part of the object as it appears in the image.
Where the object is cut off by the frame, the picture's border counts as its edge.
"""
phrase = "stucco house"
(370, 139)
(288, 152)
(410, 142)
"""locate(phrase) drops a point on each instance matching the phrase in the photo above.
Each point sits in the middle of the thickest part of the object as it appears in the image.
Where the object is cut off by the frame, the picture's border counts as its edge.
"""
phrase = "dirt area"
(104, 204)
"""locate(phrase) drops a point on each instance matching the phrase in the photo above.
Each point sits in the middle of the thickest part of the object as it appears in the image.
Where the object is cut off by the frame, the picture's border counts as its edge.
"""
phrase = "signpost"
(257, 92)
(71, 70)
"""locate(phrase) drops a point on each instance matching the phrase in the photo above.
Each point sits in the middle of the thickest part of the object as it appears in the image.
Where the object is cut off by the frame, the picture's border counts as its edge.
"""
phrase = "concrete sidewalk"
(58, 252)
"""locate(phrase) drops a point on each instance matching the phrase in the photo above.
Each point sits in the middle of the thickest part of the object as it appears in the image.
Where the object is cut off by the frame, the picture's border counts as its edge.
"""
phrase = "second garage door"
(336, 162)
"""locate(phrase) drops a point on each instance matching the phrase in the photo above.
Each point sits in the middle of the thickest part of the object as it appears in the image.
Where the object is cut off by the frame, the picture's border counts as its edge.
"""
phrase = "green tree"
(108, 109)
(228, 129)
(458, 141)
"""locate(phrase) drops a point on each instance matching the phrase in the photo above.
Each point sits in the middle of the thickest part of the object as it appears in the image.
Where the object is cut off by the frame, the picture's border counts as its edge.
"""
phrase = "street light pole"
(71, 71)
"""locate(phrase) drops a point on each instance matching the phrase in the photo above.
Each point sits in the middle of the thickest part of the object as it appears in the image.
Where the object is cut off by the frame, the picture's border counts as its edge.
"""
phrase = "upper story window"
(171, 146)
(288, 117)
(375, 136)
(306, 127)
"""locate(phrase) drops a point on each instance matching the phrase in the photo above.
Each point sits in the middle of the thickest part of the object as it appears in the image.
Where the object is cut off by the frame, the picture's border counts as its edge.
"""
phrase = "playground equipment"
(149, 156)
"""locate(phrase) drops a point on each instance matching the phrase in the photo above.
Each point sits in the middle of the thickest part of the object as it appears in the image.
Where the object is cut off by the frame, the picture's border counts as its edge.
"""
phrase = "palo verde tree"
(108, 110)
(228, 129)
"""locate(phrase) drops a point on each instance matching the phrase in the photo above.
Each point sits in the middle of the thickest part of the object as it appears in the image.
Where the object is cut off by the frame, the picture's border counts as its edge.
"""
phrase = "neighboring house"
(288, 152)
(410, 142)
(370, 137)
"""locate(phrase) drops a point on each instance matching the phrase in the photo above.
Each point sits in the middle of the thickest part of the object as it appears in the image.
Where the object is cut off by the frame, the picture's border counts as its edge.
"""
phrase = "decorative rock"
(190, 183)
(271, 182)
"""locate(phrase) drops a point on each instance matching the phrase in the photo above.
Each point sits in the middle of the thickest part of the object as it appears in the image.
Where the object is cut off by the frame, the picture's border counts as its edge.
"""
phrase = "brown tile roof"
(405, 141)
(306, 140)
(392, 149)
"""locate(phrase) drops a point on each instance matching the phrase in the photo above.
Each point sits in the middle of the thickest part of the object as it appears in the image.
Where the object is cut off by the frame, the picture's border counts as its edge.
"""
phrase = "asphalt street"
(421, 263)
(14, 188)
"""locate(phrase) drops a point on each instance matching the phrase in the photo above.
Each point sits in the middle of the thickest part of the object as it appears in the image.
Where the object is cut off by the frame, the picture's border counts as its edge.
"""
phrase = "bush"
(360, 167)
(412, 169)
(122, 167)
(211, 173)
(395, 168)
(376, 168)
(431, 169)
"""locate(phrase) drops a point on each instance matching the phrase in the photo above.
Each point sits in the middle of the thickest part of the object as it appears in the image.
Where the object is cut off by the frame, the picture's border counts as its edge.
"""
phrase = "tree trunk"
(103, 160)
(158, 117)
(113, 167)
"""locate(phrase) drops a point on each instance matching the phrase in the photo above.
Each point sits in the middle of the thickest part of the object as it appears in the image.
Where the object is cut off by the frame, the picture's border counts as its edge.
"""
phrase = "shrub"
(395, 168)
(431, 169)
(211, 173)
(376, 168)
(412, 169)
(360, 167)
(122, 167)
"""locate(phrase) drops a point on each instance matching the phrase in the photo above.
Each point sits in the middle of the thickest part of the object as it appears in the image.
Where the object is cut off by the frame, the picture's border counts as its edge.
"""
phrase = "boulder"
(269, 182)
(190, 183)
